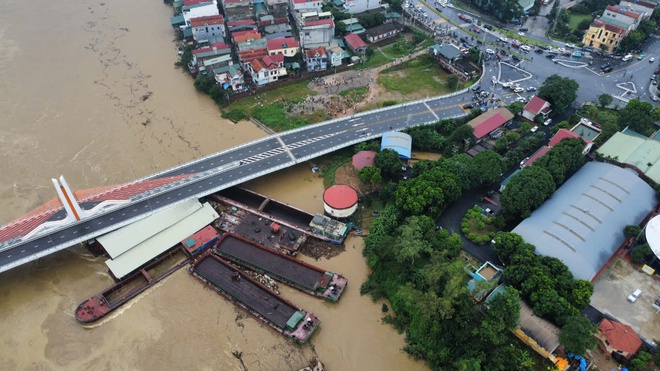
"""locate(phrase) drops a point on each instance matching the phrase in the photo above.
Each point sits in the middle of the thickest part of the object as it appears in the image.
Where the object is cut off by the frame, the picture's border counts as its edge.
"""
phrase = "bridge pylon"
(68, 199)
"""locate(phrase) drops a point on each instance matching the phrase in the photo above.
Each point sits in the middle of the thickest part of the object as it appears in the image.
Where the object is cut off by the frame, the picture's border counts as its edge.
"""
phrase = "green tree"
(559, 91)
(516, 108)
(451, 82)
(388, 162)
(419, 196)
(632, 40)
(632, 231)
(563, 159)
(638, 116)
(641, 360)
(640, 253)
(203, 83)
(370, 175)
(577, 335)
(584, 25)
(507, 245)
(526, 191)
(580, 294)
(410, 244)
(605, 100)
(506, 308)
(487, 167)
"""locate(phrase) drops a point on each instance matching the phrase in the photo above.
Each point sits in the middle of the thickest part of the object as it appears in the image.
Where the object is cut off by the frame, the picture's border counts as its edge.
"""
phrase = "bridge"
(219, 171)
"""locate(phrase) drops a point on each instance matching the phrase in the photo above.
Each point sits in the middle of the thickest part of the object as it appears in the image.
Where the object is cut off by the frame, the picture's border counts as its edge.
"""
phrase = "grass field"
(421, 76)
(575, 19)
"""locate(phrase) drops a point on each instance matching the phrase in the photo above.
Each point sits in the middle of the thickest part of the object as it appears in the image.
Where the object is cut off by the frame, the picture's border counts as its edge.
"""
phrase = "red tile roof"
(243, 36)
(535, 105)
(538, 154)
(273, 21)
(312, 52)
(564, 133)
(241, 22)
(340, 196)
(206, 21)
(610, 27)
(628, 13)
(620, 336)
(282, 42)
(257, 65)
(320, 22)
(218, 46)
(495, 121)
(363, 159)
(251, 54)
(355, 41)
(270, 60)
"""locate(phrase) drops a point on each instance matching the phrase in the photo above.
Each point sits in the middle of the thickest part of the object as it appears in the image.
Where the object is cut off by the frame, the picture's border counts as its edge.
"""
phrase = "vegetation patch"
(357, 94)
(420, 75)
(477, 227)
(574, 20)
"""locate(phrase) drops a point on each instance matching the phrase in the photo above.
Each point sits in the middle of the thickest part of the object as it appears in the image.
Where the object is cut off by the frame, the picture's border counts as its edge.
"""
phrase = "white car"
(534, 129)
(518, 90)
(493, 79)
(521, 99)
(490, 51)
(652, 60)
(634, 296)
(547, 122)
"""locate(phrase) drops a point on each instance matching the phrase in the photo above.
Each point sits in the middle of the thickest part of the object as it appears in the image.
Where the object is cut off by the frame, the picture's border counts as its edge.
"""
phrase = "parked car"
(523, 161)
(634, 296)
(608, 69)
(523, 29)
(521, 99)
(534, 129)
(652, 59)
(539, 51)
(518, 90)
(488, 27)
(476, 88)
(477, 30)
(577, 54)
(547, 122)
(641, 56)
(531, 88)
(603, 67)
(490, 51)
(468, 106)
(494, 79)
(516, 58)
(551, 56)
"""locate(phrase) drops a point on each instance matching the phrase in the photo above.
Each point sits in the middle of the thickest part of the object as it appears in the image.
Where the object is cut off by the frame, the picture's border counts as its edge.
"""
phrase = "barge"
(300, 275)
(282, 315)
(118, 294)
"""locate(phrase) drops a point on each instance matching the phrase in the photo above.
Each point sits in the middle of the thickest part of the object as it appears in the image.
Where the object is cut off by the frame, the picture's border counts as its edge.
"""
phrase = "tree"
(632, 40)
(638, 116)
(563, 159)
(641, 360)
(605, 100)
(632, 231)
(577, 335)
(506, 307)
(526, 191)
(203, 83)
(451, 82)
(388, 162)
(370, 175)
(487, 167)
(507, 245)
(516, 108)
(640, 253)
(559, 91)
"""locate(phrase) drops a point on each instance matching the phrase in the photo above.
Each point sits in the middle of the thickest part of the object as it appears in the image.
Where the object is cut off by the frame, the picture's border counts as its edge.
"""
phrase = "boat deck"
(270, 261)
(264, 302)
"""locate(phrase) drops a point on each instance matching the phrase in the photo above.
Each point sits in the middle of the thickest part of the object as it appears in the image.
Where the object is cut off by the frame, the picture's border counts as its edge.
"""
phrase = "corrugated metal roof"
(124, 239)
(399, 142)
(640, 152)
(582, 224)
(161, 242)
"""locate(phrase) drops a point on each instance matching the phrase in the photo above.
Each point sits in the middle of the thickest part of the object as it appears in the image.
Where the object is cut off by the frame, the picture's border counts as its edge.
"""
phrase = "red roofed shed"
(488, 121)
(615, 337)
(534, 107)
(355, 43)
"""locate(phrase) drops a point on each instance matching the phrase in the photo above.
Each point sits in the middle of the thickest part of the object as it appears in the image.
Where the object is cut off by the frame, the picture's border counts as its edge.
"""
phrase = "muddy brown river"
(89, 91)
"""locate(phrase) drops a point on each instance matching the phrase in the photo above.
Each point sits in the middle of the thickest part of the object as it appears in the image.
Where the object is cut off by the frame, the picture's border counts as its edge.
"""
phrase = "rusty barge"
(115, 296)
(300, 275)
(282, 315)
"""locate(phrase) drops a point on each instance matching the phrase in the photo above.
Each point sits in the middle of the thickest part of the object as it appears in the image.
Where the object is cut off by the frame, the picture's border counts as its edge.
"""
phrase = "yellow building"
(601, 33)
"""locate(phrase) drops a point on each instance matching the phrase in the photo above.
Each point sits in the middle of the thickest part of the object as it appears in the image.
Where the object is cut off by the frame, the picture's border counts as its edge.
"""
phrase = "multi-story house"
(604, 36)
(315, 29)
(316, 59)
(304, 6)
(210, 29)
(229, 77)
(620, 17)
(203, 9)
(360, 6)
(288, 46)
(267, 69)
(238, 9)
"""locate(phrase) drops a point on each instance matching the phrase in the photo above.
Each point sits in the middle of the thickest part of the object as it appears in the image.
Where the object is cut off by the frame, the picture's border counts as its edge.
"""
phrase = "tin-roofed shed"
(399, 142)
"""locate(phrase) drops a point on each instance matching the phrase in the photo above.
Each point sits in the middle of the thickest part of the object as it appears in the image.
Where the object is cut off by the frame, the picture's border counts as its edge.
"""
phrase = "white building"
(267, 69)
(211, 28)
(315, 29)
(359, 6)
(305, 5)
(205, 9)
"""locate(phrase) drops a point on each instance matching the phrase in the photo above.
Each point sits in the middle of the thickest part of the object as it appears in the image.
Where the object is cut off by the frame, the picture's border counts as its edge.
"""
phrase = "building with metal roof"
(488, 121)
(363, 159)
(399, 142)
(340, 201)
(582, 223)
(643, 153)
(156, 244)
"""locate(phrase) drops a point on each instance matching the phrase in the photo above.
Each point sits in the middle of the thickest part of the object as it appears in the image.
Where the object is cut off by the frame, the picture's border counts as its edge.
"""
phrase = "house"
(316, 59)
(564, 133)
(200, 55)
(202, 9)
(644, 8)
(536, 106)
(278, 8)
(260, 8)
(250, 50)
(267, 69)
(275, 27)
(618, 339)
(212, 63)
(305, 5)
(526, 5)
(315, 29)
(242, 25)
(353, 26)
(603, 36)
(356, 45)
(229, 77)
(628, 17)
(283, 45)
(238, 9)
(382, 32)
(489, 121)
(336, 54)
(360, 6)
(447, 52)
(243, 36)
(210, 29)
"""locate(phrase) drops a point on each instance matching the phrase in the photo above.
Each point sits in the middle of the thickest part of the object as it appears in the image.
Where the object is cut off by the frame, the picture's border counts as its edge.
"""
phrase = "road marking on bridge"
(288, 151)
(429, 108)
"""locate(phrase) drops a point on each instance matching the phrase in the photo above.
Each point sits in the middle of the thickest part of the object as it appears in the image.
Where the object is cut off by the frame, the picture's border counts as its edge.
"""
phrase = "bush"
(632, 231)
(640, 253)
(235, 114)
(384, 308)
(465, 230)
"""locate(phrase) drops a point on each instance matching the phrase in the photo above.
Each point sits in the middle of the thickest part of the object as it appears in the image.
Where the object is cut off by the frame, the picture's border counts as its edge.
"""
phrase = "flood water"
(89, 91)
